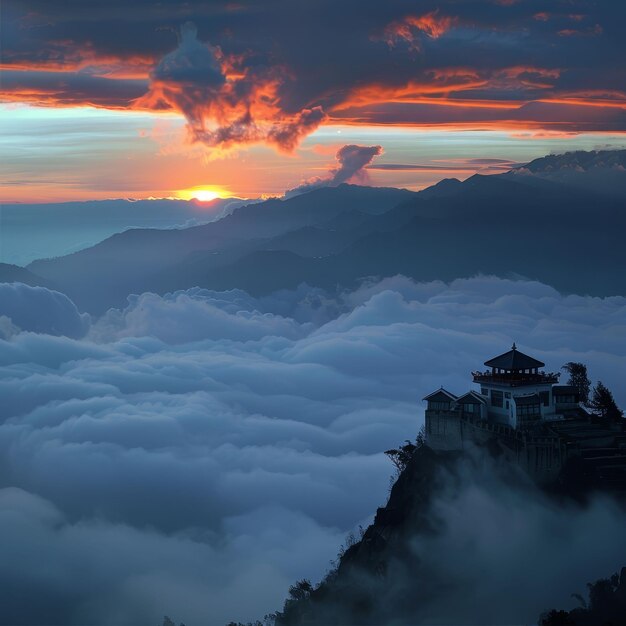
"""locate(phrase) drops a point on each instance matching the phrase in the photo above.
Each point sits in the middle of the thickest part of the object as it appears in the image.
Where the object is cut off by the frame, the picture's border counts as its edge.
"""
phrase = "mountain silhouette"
(508, 225)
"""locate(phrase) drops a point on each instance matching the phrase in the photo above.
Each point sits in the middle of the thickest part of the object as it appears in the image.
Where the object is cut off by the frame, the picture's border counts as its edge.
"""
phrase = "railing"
(515, 380)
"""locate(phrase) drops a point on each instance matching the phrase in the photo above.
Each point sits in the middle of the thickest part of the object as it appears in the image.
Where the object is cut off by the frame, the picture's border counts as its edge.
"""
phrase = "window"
(471, 408)
(497, 398)
(484, 391)
(507, 394)
(545, 398)
(438, 406)
(528, 410)
(565, 399)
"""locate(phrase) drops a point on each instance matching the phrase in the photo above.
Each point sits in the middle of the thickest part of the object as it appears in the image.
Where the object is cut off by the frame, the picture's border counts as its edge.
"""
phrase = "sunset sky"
(154, 99)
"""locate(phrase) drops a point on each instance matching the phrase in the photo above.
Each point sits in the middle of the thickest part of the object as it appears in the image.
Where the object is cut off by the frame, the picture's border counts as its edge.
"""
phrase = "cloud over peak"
(351, 162)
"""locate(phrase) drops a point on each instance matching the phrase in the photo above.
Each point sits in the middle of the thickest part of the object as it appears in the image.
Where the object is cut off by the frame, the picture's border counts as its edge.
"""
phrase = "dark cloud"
(196, 453)
(352, 161)
(264, 66)
(66, 88)
(555, 117)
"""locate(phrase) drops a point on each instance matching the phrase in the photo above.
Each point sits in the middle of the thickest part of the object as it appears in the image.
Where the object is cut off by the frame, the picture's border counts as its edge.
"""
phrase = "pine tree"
(578, 378)
(603, 404)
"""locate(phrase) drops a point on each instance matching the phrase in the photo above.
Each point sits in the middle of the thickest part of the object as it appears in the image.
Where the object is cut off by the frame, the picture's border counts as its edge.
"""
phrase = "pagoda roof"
(440, 395)
(514, 360)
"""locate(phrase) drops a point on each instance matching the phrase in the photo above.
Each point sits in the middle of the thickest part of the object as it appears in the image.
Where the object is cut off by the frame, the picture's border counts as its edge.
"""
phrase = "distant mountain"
(16, 274)
(578, 161)
(136, 260)
(66, 227)
(510, 231)
(602, 171)
(562, 234)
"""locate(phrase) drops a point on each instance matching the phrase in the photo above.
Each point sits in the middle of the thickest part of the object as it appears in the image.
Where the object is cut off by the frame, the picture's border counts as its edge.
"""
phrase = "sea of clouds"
(194, 454)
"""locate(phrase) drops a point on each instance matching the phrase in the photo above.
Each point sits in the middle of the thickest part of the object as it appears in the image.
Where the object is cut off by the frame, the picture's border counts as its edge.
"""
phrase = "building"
(528, 416)
(514, 392)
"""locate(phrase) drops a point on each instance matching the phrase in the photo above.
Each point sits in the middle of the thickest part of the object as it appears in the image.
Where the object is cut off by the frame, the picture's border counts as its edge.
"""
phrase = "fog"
(506, 552)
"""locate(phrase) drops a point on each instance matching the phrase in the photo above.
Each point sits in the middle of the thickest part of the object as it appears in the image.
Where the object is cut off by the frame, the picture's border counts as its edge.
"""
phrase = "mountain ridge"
(499, 224)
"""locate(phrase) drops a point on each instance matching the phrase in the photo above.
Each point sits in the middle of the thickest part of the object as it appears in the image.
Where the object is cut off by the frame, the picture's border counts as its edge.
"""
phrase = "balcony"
(516, 379)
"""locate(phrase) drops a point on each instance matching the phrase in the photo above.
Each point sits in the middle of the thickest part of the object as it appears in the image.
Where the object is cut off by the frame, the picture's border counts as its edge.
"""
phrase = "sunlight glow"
(202, 193)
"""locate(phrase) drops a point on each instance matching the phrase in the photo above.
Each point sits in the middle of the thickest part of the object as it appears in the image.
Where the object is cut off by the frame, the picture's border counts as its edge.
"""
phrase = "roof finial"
(514, 347)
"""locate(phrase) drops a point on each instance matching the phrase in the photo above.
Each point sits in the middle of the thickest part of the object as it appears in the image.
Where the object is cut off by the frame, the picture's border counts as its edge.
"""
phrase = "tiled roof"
(441, 395)
(514, 360)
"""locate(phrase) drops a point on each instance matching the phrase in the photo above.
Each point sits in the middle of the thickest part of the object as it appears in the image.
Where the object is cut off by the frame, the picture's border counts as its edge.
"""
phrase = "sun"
(202, 193)
(206, 195)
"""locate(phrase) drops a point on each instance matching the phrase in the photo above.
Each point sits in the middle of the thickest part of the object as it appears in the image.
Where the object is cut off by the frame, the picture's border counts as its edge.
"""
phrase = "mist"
(507, 552)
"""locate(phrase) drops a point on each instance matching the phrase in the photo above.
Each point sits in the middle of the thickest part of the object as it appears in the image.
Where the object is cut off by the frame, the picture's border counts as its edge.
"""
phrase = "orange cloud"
(412, 27)
(549, 113)
(448, 82)
(226, 102)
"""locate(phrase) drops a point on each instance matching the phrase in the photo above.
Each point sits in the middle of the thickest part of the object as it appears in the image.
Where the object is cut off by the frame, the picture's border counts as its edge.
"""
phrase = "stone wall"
(542, 457)
(443, 430)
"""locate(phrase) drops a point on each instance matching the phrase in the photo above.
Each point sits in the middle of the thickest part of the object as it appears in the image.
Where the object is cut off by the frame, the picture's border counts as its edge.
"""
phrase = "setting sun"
(202, 193)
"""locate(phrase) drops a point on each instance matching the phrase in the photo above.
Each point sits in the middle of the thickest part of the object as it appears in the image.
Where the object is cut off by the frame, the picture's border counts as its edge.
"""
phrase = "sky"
(160, 99)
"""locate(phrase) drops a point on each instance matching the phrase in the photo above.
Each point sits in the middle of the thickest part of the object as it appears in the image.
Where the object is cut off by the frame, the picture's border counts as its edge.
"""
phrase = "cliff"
(462, 539)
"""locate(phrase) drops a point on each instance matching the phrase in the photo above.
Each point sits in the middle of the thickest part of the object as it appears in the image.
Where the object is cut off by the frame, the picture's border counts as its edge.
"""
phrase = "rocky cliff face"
(468, 539)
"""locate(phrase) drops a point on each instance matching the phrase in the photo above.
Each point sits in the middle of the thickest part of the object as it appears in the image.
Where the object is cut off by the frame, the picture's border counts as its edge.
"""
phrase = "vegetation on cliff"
(606, 605)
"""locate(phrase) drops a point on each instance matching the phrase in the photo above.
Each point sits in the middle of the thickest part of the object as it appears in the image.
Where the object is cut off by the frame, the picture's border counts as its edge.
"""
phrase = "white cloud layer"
(39, 310)
(194, 454)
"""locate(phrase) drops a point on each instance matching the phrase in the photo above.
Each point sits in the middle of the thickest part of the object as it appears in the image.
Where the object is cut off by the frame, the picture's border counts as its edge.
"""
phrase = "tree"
(578, 378)
(607, 605)
(603, 404)
(401, 456)
(301, 590)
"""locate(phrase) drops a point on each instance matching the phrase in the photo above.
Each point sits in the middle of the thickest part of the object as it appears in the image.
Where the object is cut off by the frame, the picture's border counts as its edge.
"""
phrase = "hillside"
(134, 261)
(15, 274)
(394, 573)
